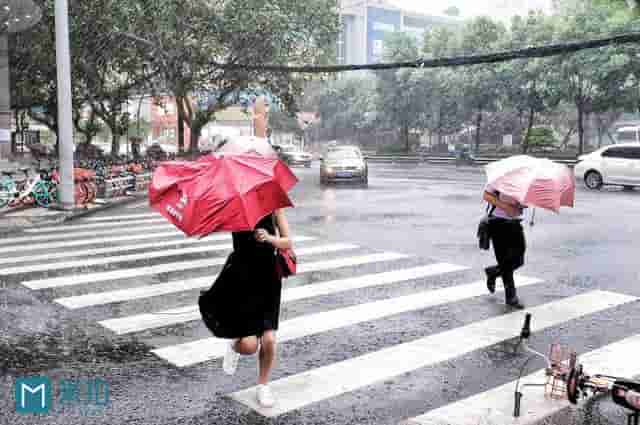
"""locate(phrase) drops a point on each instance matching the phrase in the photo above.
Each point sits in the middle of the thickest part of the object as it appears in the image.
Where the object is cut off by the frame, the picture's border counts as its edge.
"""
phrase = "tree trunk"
(115, 143)
(180, 134)
(405, 137)
(193, 141)
(580, 128)
(478, 124)
(567, 136)
(525, 142)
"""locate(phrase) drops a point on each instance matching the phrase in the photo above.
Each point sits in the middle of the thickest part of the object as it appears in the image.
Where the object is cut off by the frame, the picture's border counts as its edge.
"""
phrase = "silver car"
(344, 164)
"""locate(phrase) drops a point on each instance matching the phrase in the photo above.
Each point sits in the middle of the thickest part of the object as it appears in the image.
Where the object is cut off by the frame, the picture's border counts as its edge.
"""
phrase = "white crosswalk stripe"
(29, 247)
(202, 350)
(78, 279)
(496, 406)
(93, 299)
(142, 256)
(120, 218)
(74, 227)
(297, 391)
(27, 240)
(107, 250)
(184, 314)
(75, 254)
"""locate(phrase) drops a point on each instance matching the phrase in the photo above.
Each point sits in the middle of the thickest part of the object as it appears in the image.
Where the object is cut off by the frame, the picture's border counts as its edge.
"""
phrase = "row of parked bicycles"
(38, 186)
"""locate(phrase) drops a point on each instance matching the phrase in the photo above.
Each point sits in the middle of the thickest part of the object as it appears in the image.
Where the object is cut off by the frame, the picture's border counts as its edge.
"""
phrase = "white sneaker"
(265, 396)
(230, 361)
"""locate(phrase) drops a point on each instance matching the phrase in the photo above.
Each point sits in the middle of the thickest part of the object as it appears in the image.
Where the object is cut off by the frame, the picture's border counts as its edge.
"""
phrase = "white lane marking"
(26, 240)
(73, 227)
(141, 256)
(138, 204)
(495, 406)
(99, 251)
(123, 217)
(144, 321)
(100, 298)
(297, 391)
(76, 279)
(91, 241)
(194, 352)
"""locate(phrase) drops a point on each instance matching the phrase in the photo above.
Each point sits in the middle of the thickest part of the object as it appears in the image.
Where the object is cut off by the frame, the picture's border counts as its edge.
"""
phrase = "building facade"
(365, 23)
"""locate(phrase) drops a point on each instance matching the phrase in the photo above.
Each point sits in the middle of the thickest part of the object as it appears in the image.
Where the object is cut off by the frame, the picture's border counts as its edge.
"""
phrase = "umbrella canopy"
(247, 145)
(220, 192)
(536, 182)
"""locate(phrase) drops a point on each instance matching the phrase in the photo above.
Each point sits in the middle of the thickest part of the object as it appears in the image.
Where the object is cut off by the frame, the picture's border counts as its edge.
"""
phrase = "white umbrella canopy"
(246, 145)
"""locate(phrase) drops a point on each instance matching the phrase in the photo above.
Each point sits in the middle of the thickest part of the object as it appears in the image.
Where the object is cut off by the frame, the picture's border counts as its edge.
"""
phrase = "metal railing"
(444, 159)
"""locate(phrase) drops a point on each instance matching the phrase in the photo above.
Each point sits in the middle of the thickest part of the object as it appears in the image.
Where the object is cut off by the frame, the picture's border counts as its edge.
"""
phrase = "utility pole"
(65, 144)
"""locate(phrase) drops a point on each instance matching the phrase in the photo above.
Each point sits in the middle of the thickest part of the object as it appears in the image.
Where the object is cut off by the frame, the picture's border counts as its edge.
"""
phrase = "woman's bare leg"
(267, 356)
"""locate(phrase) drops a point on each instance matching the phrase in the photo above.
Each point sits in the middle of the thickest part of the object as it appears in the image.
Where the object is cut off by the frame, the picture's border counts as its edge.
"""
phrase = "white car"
(612, 165)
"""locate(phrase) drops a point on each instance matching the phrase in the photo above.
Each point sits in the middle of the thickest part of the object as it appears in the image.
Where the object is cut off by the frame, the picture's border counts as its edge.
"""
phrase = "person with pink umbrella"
(514, 184)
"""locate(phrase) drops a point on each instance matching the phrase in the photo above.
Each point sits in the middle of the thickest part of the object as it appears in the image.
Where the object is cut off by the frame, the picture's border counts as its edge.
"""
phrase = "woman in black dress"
(244, 302)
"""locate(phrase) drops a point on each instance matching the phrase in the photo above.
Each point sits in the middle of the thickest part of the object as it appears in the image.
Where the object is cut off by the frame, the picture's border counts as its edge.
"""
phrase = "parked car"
(344, 164)
(292, 155)
(612, 165)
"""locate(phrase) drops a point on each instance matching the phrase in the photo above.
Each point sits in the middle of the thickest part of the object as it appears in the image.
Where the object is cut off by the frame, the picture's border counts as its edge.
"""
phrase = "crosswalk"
(104, 261)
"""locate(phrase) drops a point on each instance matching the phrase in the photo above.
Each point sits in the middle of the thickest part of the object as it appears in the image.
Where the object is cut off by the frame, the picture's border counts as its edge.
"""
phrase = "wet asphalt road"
(429, 213)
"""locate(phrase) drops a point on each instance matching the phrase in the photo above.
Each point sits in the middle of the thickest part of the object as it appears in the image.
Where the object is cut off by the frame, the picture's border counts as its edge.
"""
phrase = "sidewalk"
(16, 220)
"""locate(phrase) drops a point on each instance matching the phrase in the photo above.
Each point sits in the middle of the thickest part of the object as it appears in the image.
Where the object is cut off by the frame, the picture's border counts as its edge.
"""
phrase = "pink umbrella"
(535, 182)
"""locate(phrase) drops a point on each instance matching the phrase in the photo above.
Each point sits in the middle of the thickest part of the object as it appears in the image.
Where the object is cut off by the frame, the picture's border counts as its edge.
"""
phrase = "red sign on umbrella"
(220, 193)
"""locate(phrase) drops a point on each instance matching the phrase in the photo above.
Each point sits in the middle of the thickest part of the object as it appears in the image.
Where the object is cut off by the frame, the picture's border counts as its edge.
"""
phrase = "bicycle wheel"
(6, 195)
(40, 193)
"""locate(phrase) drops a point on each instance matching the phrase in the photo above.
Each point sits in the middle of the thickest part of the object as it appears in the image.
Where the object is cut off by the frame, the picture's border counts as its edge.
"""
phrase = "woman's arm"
(282, 241)
(511, 210)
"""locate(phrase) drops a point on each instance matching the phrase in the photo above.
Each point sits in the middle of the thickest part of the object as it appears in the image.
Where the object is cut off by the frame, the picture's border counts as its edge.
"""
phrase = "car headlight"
(329, 170)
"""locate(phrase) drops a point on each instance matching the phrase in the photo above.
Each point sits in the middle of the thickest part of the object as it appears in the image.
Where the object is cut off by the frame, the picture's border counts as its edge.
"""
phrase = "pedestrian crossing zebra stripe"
(106, 250)
(206, 349)
(25, 241)
(122, 217)
(495, 406)
(77, 279)
(74, 227)
(99, 240)
(143, 256)
(145, 321)
(129, 294)
(297, 391)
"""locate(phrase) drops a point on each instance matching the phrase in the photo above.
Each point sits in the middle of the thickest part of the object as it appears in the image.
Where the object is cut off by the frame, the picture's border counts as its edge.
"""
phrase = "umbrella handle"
(533, 215)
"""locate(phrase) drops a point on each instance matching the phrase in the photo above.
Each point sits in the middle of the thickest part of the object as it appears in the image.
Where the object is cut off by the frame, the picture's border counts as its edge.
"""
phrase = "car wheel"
(365, 181)
(627, 188)
(593, 180)
(308, 165)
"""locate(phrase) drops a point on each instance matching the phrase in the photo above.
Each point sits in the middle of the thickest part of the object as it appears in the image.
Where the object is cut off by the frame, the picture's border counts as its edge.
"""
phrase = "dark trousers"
(507, 238)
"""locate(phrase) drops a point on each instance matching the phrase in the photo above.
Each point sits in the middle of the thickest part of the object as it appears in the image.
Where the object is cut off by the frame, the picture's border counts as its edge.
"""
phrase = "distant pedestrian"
(507, 237)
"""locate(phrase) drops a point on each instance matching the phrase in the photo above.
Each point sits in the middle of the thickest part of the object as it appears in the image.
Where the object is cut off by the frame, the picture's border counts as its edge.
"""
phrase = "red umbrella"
(220, 193)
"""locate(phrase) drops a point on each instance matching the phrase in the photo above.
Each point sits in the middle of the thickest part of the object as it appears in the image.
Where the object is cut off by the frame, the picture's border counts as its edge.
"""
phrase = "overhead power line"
(531, 52)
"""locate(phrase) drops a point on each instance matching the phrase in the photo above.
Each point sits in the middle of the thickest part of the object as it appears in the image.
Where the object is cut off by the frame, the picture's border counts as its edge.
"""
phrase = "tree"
(482, 83)
(181, 39)
(401, 94)
(452, 11)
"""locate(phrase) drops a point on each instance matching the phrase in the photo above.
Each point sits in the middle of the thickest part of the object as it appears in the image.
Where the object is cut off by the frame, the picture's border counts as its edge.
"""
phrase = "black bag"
(483, 234)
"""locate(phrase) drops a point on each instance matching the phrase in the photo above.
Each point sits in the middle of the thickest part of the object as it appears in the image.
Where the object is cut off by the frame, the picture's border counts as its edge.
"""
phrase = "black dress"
(245, 298)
